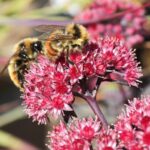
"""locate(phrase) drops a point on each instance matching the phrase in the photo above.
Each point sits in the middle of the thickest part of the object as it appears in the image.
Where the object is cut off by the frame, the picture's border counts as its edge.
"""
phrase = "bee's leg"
(67, 57)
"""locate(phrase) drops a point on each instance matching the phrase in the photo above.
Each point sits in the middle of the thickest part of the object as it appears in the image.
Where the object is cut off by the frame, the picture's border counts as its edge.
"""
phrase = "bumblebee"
(55, 41)
(62, 39)
(26, 51)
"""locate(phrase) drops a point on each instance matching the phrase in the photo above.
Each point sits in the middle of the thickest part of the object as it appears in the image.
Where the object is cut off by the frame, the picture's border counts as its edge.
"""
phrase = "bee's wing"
(44, 36)
(48, 33)
(53, 37)
(48, 28)
(5, 67)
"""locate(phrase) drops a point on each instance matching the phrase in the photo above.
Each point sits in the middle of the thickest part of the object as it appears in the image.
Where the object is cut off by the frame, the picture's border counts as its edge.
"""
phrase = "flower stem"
(96, 109)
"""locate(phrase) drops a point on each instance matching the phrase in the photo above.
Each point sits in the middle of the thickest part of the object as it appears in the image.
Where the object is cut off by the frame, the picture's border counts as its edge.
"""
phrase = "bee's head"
(29, 47)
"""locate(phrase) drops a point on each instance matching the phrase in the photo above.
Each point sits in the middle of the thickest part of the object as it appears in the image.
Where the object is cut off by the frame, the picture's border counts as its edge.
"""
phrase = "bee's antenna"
(7, 64)
(3, 70)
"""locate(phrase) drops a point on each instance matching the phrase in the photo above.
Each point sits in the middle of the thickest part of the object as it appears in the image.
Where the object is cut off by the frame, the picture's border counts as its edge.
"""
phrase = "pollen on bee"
(59, 44)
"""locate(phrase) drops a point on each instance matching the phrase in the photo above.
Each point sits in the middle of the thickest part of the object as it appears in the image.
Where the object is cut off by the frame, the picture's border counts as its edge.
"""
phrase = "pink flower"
(131, 131)
(107, 140)
(47, 91)
(76, 136)
(75, 73)
(114, 60)
(133, 126)
(85, 128)
(127, 27)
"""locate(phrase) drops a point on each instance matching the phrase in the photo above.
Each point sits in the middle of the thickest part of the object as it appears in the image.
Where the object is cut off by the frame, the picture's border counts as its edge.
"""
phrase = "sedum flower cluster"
(130, 132)
(50, 87)
(127, 28)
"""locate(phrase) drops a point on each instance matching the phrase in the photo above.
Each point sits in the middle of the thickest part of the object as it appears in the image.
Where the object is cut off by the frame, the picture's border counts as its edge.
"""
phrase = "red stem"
(96, 109)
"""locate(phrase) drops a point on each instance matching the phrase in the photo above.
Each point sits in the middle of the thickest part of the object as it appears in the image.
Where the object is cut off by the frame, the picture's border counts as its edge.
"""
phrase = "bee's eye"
(23, 55)
(36, 46)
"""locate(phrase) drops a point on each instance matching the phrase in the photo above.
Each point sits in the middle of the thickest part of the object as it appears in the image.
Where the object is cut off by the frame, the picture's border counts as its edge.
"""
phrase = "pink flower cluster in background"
(50, 87)
(128, 27)
(133, 125)
(130, 132)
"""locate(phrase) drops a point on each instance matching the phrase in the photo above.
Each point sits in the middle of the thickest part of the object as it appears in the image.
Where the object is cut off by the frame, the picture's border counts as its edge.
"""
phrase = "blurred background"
(17, 21)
